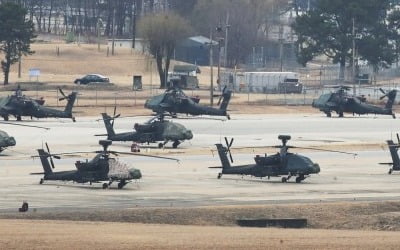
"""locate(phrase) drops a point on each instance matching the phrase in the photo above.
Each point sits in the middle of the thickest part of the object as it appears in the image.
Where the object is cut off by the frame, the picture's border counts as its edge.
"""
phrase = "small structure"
(196, 50)
(140, 44)
(184, 77)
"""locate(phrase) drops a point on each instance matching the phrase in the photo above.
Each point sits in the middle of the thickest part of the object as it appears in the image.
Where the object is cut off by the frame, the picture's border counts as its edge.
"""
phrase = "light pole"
(211, 68)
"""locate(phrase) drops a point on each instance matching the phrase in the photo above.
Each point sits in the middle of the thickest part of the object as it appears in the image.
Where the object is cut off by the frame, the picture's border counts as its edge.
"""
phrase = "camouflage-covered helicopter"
(102, 168)
(393, 148)
(174, 101)
(282, 163)
(155, 130)
(342, 102)
(19, 105)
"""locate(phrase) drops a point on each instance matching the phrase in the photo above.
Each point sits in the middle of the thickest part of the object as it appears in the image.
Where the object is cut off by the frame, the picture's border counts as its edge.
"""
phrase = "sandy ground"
(17, 234)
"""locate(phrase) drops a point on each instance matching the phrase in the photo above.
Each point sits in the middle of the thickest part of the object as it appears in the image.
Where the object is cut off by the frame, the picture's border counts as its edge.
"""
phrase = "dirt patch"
(383, 215)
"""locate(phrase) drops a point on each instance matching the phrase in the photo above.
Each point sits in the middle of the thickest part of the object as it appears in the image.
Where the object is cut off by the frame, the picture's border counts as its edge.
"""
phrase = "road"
(191, 182)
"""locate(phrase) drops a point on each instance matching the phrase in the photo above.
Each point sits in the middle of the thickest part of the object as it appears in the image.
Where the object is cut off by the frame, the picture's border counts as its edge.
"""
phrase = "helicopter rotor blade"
(325, 150)
(383, 92)
(50, 156)
(398, 137)
(145, 155)
(230, 144)
(24, 125)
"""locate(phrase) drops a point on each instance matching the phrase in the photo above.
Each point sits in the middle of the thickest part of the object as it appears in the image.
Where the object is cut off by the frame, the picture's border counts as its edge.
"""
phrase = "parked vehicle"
(92, 78)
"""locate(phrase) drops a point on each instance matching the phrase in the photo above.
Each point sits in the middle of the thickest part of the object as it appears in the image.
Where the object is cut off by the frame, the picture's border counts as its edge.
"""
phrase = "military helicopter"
(9, 141)
(102, 168)
(341, 102)
(175, 101)
(20, 105)
(281, 163)
(393, 148)
(155, 130)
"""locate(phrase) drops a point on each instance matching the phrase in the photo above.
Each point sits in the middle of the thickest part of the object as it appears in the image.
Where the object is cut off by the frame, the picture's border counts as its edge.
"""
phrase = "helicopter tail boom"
(45, 163)
(393, 152)
(107, 123)
(222, 152)
(391, 98)
(226, 97)
(70, 104)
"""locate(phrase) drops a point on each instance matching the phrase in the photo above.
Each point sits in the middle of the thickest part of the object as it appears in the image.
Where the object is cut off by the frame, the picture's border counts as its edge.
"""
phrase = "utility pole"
(113, 33)
(227, 26)
(353, 74)
(211, 68)
(281, 46)
(98, 34)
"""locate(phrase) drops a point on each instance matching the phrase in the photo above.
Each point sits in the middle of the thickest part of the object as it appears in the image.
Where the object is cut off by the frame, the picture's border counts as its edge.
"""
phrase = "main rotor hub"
(284, 139)
(105, 144)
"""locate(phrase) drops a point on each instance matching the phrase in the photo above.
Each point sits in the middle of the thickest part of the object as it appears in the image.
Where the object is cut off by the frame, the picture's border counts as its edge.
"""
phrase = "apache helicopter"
(9, 141)
(175, 101)
(341, 102)
(155, 130)
(281, 163)
(102, 168)
(393, 148)
(20, 105)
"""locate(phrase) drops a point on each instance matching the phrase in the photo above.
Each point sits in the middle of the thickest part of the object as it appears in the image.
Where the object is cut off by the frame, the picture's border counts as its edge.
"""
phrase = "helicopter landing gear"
(300, 178)
(160, 145)
(176, 144)
(19, 118)
(219, 175)
(328, 114)
(390, 171)
(73, 119)
(121, 184)
(5, 117)
(105, 185)
(341, 114)
(41, 181)
(394, 116)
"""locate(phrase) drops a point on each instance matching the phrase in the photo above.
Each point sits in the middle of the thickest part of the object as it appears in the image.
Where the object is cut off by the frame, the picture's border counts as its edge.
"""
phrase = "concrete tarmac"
(191, 182)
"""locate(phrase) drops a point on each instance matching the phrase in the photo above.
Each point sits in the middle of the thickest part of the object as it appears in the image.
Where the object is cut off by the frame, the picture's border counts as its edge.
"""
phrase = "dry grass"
(17, 234)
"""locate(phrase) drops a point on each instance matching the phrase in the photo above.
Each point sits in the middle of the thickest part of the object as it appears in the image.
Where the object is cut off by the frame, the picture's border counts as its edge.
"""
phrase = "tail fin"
(393, 153)
(45, 163)
(222, 152)
(226, 97)
(391, 97)
(70, 103)
(107, 124)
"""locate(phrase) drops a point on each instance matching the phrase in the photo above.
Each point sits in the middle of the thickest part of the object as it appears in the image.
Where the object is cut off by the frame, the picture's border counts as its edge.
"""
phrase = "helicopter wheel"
(340, 114)
(299, 179)
(328, 114)
(390, 171)
(105, 185)
(175, 144)
(219, 176)
(160, 145)
(5, 118)
(394, 116)
(121, 184)
(19, 118)
(284, 180)
(41, 181)
(73, 119)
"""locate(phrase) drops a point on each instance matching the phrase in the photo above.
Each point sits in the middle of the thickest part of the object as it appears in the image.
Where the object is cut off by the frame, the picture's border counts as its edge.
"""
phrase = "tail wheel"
(41, 181)
(219, 176)
(390, 171)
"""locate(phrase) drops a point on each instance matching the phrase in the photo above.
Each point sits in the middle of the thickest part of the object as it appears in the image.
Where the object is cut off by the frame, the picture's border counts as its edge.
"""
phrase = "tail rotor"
(51, 156)
(228, 146)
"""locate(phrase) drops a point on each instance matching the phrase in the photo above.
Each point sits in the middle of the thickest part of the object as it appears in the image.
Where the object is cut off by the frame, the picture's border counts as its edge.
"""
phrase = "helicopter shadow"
(95, 186)
(265, 181)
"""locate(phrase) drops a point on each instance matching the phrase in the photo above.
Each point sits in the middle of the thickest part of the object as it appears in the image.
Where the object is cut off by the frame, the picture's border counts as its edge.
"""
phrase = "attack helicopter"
(342, 102)
(19, 105)
(282, 163)
(9, 141)
(393, 148)
(102, 168)
(155, 130)
(174, 101)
